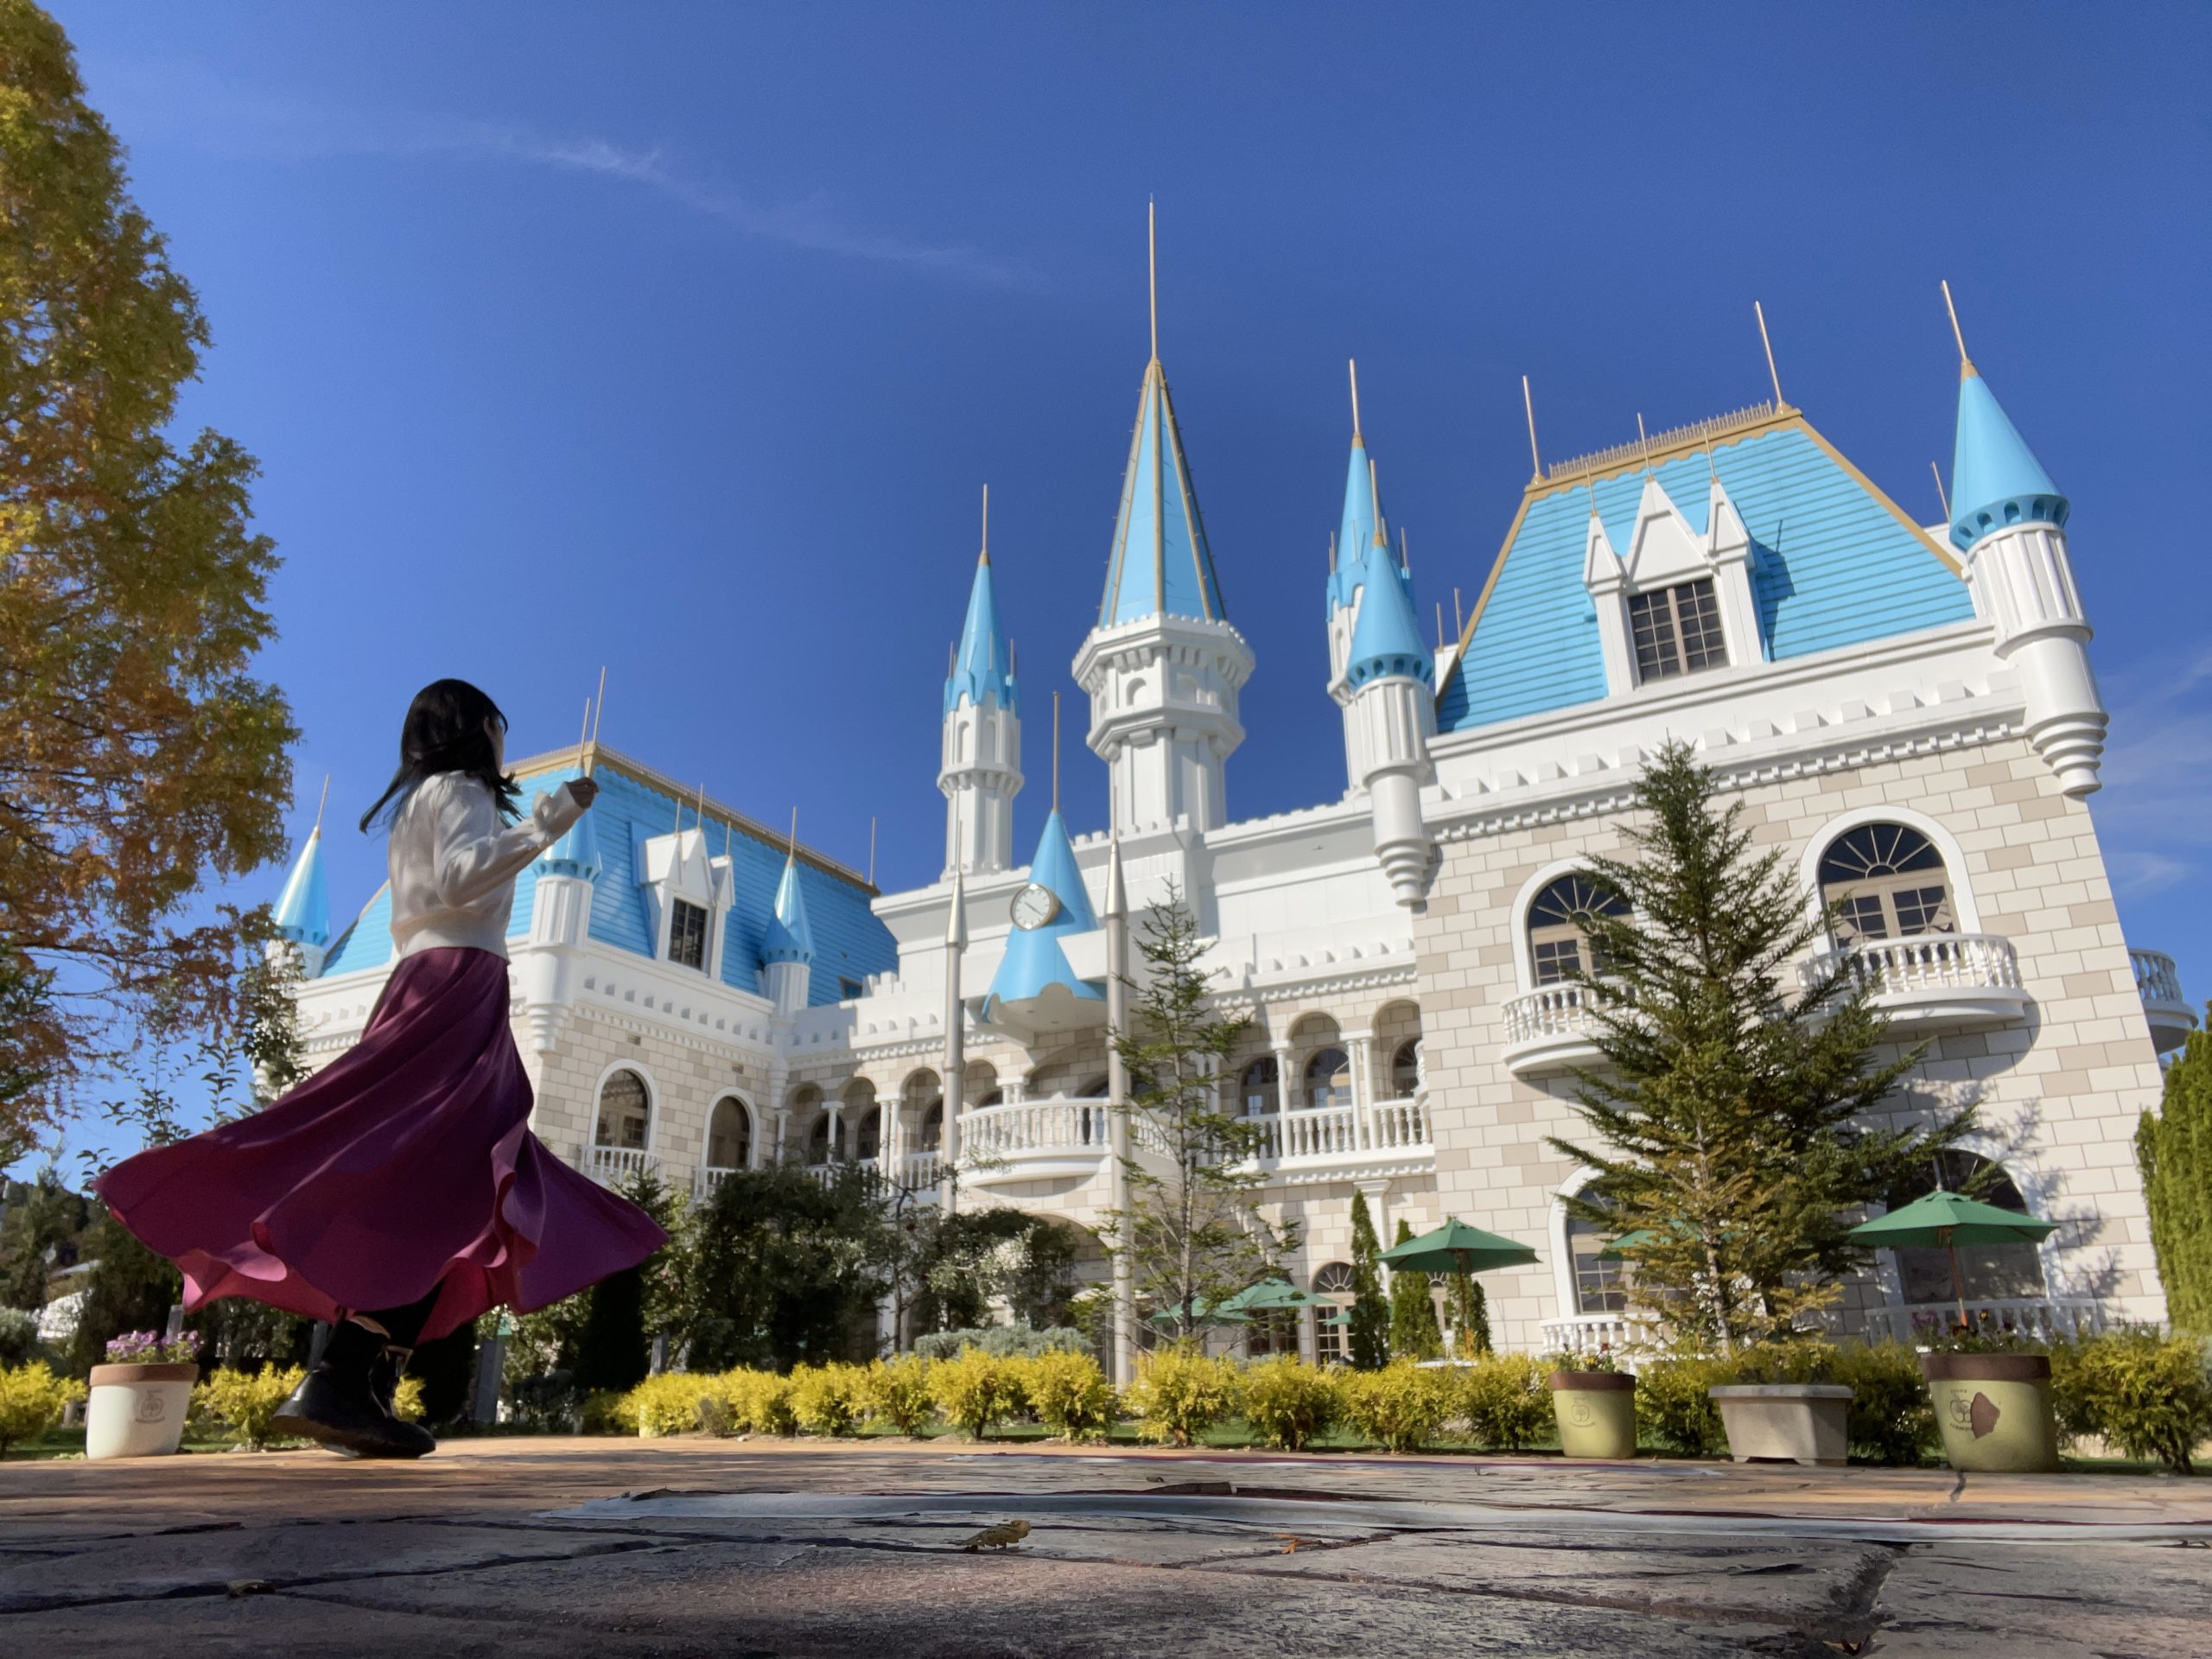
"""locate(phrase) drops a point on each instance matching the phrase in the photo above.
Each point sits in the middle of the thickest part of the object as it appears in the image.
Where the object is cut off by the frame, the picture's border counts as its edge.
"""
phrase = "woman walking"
(398, 1193)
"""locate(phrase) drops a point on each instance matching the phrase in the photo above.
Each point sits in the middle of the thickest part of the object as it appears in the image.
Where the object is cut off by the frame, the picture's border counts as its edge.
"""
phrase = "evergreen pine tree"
(1415, 1334)
(1739, 1117)
(2173, 1148)
(1194, 1235)
(1370, 1314)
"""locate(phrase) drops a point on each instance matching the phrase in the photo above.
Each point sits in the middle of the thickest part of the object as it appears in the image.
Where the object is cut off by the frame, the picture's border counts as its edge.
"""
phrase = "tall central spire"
(1158, 564)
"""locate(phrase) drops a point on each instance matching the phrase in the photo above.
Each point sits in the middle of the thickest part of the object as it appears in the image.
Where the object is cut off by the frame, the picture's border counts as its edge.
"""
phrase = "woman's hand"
(583, 791)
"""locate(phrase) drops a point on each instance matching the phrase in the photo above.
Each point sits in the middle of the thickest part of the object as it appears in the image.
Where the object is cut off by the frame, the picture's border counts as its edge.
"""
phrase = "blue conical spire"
(1386, 640)
(1996, 479)
(1034, 962)
(982, 668)
(787, 936)
(1158, 564)
(576, 852)
(303, 909)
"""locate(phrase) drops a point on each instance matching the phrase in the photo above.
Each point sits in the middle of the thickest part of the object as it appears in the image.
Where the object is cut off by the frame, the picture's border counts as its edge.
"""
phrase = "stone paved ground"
(573, 1547)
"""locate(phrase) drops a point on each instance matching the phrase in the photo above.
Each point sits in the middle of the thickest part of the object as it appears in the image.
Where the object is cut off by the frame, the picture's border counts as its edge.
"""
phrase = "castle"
(1908, 709)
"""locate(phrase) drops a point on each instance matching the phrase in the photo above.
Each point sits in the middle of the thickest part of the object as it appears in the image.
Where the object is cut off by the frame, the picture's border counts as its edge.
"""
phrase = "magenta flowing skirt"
(406, 1163)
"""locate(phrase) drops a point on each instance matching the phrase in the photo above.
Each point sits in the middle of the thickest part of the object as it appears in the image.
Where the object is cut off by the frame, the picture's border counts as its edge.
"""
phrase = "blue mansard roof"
(1158, 564)
(982, 667)
(1835, 563)
(849, 942)
(303, 910)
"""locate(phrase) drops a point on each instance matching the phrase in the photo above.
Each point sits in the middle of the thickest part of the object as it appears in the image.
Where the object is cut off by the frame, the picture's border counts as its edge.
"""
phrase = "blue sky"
(682, 338)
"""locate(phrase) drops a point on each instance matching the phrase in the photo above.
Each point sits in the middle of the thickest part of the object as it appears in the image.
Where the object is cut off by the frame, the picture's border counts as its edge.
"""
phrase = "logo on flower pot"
(1579, 1414)
(153, 1406)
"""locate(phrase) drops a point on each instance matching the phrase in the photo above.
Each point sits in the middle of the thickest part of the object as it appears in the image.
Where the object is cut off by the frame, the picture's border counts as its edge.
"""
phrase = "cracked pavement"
(571, 1547)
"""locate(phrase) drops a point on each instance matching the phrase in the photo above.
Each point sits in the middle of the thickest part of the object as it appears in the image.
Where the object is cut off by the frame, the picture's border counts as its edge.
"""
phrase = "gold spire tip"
(1966, 370)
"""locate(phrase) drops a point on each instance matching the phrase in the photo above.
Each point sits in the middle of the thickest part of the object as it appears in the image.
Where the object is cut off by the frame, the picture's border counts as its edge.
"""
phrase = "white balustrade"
(921, 1170)
(2156, 978)
(2034, 1319)
(610, 1165)
(706, 1179)
(1036, 1126)
(1592, 1333)
(1555, 1011)
(1398, 1125)
(1925, 962)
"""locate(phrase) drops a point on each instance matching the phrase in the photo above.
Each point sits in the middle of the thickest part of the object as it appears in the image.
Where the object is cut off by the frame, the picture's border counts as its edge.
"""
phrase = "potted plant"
(1992, 1392)
(1594, 1403)
(140, 1396)
(1784, 1407)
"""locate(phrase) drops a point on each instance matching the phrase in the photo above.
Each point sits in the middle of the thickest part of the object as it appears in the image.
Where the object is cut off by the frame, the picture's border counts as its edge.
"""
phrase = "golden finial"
(1528, 405)
(1759, 311)
(1966, 370)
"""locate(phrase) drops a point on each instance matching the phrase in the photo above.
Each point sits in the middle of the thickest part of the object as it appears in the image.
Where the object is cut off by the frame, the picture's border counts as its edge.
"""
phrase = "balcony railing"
(611, 1165)
(1593, 1333)
(2157, 981)
(1551, 1029)
(2035, 1319)
(1933, 979)
(1327, 1134)
(706, 1179)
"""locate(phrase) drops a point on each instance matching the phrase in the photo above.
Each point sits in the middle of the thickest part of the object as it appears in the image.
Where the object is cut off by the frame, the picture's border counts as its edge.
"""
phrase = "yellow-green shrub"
(607, 1411)
(975, 1390)
(1505, 1402)
(667, 1404)
(31, 1402)
(245, 1401)
(1672, 1406)
(768, 1403)
(1289, 1402)
(1178, 1395)
(1892, 1415)
(828, 1399)
(1068, 1392)
(2144, 1392)
(898, 1394)
(407, 1400)
(1401, 1405)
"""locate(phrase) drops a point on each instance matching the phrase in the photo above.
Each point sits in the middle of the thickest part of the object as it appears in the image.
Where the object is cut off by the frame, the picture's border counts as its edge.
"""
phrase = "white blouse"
(454, 863)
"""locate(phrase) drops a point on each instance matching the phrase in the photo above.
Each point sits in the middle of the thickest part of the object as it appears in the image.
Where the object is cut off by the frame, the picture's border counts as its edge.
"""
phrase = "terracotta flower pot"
(1789, 1422)
(138, 1411)
(1994, 1411)
(1596, 1411)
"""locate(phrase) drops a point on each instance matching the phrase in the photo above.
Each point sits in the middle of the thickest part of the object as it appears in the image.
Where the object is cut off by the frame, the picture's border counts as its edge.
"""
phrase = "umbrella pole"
(1466, 1308)
(1958, 1282)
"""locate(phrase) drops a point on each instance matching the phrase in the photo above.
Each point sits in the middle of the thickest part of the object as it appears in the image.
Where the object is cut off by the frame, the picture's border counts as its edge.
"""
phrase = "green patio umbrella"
(1202, 1312)
(1259, 1298)
(1945, 1221)
(1461, 1251)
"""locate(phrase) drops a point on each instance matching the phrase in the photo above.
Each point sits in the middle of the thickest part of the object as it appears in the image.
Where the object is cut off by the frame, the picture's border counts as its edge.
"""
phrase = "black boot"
(337, 1405)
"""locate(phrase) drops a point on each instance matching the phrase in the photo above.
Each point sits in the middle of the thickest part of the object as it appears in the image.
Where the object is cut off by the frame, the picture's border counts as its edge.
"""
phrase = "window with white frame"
(687, 934)
(1559, 921)
(1886, 881)
(625, 1112)
(1328, 1079)
(1676, 630)
(729, 1135)
(1333, 1285)
(1598, 1287)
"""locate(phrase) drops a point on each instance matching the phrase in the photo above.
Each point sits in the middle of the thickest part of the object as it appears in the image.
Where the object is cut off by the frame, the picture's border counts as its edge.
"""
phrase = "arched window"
(729, 1135)
(1598, 1287)
(1558, 937)
(867, 1133)
(1887, 882)
(933, 1127)
(1261, 1091)
(625, 1112)
(1332, 1293)
(1405, 1070)
(995, 1097)
(1094, 1089)
(1986, 1272)
(1328, 1079)
(820, 1147)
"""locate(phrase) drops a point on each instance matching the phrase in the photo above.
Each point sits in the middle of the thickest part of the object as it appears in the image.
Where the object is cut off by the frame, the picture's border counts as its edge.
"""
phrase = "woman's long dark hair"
(445, 732)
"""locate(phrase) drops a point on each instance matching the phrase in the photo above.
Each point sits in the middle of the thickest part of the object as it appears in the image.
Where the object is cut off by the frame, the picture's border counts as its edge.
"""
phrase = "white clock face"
(1034, 906)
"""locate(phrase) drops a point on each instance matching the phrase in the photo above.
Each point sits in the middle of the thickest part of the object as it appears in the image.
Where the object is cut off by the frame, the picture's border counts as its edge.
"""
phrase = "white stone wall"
(2059, 1091)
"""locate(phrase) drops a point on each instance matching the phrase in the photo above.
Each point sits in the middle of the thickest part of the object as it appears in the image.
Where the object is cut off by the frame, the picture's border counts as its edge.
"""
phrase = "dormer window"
(1676, 630)
(687, 935)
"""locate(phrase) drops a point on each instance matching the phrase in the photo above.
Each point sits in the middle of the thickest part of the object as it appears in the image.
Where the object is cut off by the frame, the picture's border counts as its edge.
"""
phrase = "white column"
(1363, 1086)
(956, 1039)
(1117, 1096)
(1281, 1051)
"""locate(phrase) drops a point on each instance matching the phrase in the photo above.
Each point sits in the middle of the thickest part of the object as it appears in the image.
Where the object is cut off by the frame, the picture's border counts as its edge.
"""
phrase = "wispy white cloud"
(185, 104)
(2156, 811)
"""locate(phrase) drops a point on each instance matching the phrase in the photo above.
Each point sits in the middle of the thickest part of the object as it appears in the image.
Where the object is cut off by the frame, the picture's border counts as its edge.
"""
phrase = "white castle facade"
(1907, 710)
